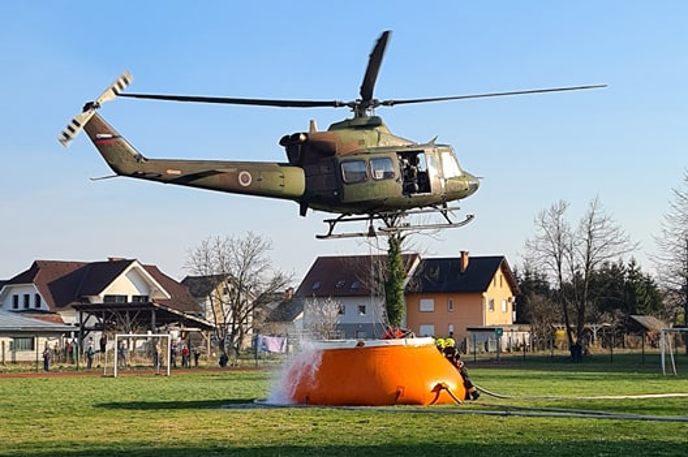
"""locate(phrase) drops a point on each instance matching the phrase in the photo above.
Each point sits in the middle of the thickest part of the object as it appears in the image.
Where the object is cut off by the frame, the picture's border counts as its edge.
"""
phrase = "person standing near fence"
(90, 352)
(47, 355)
(122, 355)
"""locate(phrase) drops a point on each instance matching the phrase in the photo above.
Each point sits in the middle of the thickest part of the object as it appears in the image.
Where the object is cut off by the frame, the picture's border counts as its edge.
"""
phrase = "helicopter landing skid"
(391, 220)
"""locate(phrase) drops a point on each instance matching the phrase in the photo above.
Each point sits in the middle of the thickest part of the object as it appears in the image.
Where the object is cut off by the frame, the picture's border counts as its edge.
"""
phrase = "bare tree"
(549, 251)
(241, 275)
(323, 318)
(597, 240)
(671, 259)
(571, 257)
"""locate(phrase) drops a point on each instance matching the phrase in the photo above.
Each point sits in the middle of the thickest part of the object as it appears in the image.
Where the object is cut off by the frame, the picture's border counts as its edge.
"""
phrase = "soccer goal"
(667, 340)
(141, 351)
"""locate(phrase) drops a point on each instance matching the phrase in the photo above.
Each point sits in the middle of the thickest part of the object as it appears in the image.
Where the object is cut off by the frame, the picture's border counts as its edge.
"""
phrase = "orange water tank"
(374, 373)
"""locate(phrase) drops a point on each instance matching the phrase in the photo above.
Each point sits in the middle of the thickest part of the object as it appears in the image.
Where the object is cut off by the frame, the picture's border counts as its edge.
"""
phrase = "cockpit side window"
(354, 171)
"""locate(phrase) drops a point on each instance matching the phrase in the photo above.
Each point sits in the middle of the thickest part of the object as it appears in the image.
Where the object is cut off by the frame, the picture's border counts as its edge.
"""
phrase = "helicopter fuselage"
(359, 167)
(356, 167)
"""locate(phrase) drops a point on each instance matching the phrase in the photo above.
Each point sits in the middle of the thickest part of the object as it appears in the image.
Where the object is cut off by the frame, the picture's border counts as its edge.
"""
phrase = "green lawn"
(211, 413)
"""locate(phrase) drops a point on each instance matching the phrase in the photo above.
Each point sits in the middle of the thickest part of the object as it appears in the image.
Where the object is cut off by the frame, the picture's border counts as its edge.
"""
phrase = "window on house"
(355, 285)
(490, 305)
(140, 298)
(450, 329)
(15, 301)
(22, 343)
(354, 171)
(342, 309)
(27, 301)
(501, 281)
(36, 301)
(426, 330)
(361, 310)
(316, 285)
(504, 307)
(450, 305)
(115, 299)
(340, 284)
(427, 305)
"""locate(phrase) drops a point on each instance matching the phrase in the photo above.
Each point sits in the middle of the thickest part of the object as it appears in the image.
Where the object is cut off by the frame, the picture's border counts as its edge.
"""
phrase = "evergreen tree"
(394, 284)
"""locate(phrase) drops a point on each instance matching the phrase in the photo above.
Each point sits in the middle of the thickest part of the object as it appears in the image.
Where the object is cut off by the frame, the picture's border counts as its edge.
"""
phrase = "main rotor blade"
(495, 94)
(241, 101)
(374, 62)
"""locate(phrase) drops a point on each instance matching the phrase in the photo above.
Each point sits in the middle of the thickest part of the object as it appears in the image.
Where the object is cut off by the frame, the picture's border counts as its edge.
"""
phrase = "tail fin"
(80, 120)
(119, 154)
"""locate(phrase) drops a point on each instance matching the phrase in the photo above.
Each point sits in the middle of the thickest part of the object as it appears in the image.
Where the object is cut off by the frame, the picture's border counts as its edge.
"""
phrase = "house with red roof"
(91, 296)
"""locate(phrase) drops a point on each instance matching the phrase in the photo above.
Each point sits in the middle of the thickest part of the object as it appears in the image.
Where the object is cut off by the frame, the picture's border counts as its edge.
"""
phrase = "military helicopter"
(357, 168)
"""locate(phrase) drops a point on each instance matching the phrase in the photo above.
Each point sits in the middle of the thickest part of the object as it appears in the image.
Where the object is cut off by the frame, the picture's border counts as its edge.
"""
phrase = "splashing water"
(302, 367)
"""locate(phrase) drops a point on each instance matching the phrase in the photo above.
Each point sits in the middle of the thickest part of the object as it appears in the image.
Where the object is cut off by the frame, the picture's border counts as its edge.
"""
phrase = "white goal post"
(165, 351)
(665, 343)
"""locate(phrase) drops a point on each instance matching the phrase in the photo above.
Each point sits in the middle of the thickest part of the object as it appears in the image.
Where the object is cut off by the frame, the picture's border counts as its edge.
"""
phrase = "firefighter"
(471, 391)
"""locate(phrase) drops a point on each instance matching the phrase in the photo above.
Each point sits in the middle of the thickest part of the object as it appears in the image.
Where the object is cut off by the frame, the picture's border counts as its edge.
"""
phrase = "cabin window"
(15, 301)
(36, 301)
(427, 305)
(354, 171)
(450, 167)
(382, 168)
(27, 301)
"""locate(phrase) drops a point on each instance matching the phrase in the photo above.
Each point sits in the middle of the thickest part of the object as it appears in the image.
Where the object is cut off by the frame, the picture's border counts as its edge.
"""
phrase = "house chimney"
(463, 265)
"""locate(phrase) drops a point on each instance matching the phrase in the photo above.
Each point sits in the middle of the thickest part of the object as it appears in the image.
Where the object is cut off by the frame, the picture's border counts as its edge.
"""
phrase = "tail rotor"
(81, 119)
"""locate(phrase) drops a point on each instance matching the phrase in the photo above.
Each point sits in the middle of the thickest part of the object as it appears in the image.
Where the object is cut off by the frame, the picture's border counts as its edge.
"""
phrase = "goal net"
(140, 352)
(669, 340)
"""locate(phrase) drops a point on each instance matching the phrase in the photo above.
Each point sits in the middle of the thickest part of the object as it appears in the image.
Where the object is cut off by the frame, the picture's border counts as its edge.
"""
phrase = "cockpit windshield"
(450, 166)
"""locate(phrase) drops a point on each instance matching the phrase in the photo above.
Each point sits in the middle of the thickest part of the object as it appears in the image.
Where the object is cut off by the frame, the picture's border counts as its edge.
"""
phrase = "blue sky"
(625, 144)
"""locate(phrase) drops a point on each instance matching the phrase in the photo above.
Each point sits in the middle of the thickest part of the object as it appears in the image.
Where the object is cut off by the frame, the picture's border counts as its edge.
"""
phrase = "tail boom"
(263, 179)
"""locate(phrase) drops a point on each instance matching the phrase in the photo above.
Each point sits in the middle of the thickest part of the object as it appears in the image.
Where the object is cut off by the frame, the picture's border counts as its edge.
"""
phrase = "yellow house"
(449, 295)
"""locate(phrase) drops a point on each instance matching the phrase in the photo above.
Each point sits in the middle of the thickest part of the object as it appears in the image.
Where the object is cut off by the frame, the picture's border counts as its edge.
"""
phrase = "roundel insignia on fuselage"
(245, 178)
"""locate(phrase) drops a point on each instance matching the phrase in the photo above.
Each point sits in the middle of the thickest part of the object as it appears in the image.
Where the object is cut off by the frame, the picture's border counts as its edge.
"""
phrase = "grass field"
(211, 413)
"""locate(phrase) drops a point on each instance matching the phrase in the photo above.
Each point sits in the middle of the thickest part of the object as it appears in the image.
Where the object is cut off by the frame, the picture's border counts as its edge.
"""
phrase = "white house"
(356, 284)
(95, 296)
